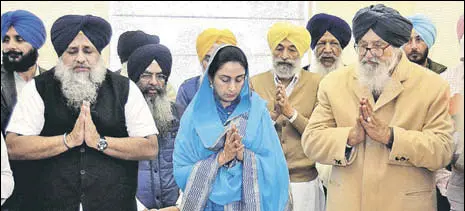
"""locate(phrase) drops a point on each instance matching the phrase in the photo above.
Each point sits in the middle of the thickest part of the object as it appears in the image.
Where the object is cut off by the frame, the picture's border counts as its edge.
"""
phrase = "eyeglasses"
(377, 50)
(149, 76)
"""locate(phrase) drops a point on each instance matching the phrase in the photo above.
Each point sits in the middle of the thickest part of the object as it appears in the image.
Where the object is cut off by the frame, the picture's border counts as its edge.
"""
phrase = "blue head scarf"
(424, 27)
(28, 26)
(197, 141)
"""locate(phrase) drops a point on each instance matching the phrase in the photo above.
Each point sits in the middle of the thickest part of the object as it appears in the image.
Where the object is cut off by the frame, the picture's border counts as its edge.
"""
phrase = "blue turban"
(386, 22)
(143, 57)
(129, 41)
(425, 28)
(66, 28)
(28, 26)
(320, 23)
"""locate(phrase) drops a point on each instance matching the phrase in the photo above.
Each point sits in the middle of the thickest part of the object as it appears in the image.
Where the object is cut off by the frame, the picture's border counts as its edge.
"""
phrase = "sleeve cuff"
(294, 116)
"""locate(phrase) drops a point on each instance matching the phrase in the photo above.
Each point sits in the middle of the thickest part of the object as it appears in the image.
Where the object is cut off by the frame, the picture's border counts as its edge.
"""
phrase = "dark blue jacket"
(156, 187)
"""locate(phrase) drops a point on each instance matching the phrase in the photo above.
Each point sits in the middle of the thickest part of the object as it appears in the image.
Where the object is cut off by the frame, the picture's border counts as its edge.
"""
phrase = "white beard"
(286, 71)
(80, 86)
(376, 77)
(160, 106)
(317, 67)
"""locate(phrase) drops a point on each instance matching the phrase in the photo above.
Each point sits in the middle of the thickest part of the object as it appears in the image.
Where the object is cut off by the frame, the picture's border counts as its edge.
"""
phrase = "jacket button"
(83, 172)
(82, 149)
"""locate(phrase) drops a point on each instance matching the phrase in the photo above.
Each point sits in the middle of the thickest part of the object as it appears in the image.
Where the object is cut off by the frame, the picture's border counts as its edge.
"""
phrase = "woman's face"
(228, 82)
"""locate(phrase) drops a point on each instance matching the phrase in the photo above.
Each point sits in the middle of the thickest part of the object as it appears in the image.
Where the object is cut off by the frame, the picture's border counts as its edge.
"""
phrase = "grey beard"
(160, 106)
(82, 86)
(317, 67)
(285, 71)
(376, 78)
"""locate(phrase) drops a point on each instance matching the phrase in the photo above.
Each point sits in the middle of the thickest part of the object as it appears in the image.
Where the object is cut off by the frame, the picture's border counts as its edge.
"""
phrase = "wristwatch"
(102, 144)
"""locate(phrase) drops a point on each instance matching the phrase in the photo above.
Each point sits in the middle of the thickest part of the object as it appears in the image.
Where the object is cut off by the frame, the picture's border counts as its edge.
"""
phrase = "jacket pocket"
(419, 200)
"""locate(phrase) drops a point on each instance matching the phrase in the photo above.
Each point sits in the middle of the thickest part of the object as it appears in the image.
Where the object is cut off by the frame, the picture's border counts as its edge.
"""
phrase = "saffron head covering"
(386, 22)
(210, 36)
(320, 23)
(129, 41)
(143, 56)
(298, 35)
(28, 26)
(425, 28)
(65, 29)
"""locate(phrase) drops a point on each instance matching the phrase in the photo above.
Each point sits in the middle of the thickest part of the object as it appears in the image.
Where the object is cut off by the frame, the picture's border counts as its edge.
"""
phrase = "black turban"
(131, 40)
(143, 57)
(66, 28)
(385, 22)
(320, 23)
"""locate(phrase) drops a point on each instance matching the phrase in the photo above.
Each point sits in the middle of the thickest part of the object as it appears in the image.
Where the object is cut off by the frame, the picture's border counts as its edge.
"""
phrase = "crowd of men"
(384, 132)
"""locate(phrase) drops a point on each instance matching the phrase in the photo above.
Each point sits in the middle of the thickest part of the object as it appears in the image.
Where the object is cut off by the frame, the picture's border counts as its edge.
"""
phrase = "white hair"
(317, 67)
(286, 69)
(80, 86)
(160, 106)
(376, 77)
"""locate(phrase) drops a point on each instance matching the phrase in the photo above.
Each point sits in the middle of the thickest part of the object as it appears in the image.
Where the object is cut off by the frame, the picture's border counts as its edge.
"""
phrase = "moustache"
(13, 54)
(373, 60)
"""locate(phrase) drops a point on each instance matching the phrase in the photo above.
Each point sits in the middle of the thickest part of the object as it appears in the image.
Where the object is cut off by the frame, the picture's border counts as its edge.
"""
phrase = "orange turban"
(210, 36)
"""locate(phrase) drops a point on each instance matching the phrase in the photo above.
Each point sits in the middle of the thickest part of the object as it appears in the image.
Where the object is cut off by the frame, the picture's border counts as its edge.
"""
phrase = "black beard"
(28, 60)
(421, 61)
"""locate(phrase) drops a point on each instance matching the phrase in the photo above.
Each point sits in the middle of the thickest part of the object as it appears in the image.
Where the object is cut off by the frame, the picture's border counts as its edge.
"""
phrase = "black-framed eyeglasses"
(158, 76)
(376, 50)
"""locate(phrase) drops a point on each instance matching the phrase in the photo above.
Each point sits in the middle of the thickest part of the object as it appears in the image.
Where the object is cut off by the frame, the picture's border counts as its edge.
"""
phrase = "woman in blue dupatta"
(227, 154)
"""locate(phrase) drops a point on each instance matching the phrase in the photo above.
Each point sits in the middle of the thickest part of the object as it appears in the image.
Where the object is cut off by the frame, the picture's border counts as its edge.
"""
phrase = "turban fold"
(386, 22)
(210, 36)
(298, 35)
(460, 28)
(66, 28)
(142, 57)
(131, 40)
(320, 23)
(425, 28)
(28, 26)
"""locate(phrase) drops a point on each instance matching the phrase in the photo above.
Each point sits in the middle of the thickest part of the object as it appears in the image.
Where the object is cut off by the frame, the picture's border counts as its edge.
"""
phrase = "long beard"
(27, 60)
(285, 69)
(376, 77)
(317, 67)
(80, 86)
(160, 106)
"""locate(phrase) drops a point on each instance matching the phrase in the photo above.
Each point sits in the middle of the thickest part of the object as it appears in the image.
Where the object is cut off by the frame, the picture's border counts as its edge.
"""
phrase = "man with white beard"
(383, 124)
(80, 127)
(149, 67)
(330, 35)
(291, 96)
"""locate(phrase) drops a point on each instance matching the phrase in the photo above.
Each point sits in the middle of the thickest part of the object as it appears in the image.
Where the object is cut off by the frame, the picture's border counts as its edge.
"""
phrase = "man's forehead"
(81, 40)
(287, 43)
(153, 67)
(370, 37)
(328, 36)
(12, 31)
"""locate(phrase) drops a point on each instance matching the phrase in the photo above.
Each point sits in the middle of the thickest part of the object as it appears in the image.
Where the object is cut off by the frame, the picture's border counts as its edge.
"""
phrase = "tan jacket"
(303, 99)
(375, 178)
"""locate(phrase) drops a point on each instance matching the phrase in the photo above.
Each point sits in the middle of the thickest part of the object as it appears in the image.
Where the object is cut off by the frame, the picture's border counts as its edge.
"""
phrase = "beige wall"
(49, 12)
(444, 14)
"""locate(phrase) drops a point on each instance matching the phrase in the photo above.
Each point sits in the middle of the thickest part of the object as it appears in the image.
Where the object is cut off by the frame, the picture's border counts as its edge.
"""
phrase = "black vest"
(83, 174)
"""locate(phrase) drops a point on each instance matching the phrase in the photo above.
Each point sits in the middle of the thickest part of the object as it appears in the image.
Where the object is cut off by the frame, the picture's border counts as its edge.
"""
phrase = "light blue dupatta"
(260, 182)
